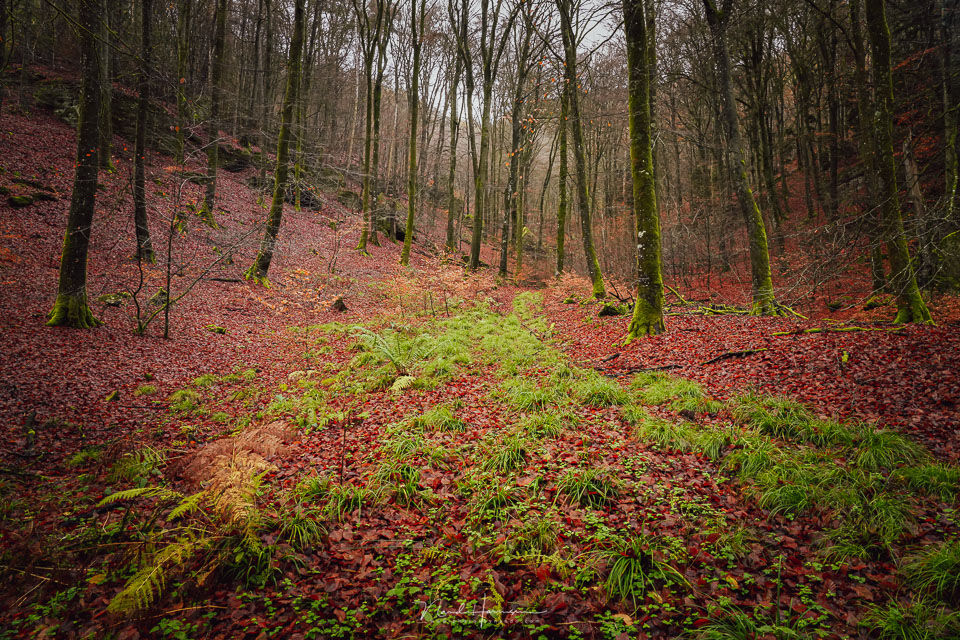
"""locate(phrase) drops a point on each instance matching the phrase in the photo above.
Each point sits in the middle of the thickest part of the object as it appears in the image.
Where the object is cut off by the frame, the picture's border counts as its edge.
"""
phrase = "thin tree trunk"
(867, 149)
(416, 36)
(562, 179)
(144, 246)
(910, 305)
(183, 44)
(452, 209)
(70, 308)
(106, 88)
(213, 128)
(261, 265)
(579, 152)
(763, 298)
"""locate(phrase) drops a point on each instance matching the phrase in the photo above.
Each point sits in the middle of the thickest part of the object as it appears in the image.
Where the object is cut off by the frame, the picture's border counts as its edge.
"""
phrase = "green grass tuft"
(594, 390)
(936, 570)
(883, 449)
(506, 455)
(663, 434)
(184, 400)
(593, 487)
(932, 479)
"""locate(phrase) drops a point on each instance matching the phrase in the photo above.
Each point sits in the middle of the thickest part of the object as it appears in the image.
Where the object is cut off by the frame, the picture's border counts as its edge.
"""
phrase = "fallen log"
(732, 354)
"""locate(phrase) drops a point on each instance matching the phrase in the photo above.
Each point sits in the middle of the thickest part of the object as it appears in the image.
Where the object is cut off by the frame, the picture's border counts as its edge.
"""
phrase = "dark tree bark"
(261, 265)
(183, 49)
(452, 212)
(106, 85)
(562, 179)
(417, 15)
(144, 245)
(763, 299)
(910, 305)
(568, 36)
(70, 308)
(213, 127)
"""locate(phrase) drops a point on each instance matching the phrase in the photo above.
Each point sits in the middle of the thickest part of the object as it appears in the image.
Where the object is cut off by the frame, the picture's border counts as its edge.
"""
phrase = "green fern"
(140, 492)
(145, 586)
(402, 353)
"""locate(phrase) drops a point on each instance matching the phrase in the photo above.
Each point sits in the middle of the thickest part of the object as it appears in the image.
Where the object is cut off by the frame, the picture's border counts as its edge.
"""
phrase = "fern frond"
(402, 383)
(140, 492)
(149, 582)
(187, 505)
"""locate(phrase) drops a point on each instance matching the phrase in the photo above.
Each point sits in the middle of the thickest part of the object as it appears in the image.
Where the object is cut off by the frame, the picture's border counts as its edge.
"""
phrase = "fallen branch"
(663, 367)
(676, 294)
(231, 280)
(732, 354)
(836, 330)
(721, 310)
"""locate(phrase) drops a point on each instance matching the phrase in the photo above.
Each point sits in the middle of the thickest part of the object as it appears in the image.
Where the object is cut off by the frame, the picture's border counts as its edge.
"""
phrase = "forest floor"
(449, 457)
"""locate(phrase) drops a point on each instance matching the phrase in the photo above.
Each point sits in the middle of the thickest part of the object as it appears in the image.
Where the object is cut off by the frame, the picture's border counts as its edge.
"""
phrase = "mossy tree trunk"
(648, 311)
(562, 179)
(910, 304)
(70, 308)
(261, 265)
(141, 222)
(569, 38)
(763, 299)
(452, 212)
(416, 39)
(213, 125)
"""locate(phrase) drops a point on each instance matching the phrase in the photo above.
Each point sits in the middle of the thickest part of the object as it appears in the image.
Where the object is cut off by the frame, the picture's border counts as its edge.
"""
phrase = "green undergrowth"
(530, 474)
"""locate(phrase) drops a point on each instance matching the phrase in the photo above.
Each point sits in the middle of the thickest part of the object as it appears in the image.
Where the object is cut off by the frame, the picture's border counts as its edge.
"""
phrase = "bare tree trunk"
(910, 305)
(579, 153)
(261, 265)
(70, 308)
(416, 36)
(144, 246)
(763, 298)
(213, 127)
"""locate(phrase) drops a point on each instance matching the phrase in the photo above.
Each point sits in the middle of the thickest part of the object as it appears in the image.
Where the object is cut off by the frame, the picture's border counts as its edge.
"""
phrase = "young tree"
(417, 15)
(261, 265)
(496, 23)
(648, 311)
(910, 305)
(106, 85)
(70, 308)
(452, 212)
(718, 18)
(570, 42)
(523, 53)
(562, 177)
(144, 245)
(183, 50)
(373, 28)
(216, 98)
